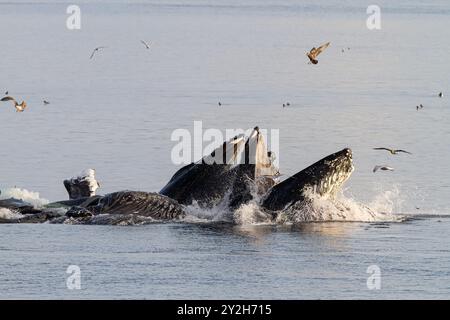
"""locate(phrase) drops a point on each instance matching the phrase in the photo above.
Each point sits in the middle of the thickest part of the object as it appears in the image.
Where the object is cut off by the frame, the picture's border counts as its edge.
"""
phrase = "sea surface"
(116, 113)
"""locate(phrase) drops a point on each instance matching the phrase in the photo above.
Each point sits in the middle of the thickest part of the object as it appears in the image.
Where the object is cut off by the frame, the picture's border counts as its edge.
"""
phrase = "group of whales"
(239, 171)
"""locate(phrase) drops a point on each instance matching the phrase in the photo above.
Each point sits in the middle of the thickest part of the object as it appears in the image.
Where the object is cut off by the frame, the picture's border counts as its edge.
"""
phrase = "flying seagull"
(95, 51)
(393, 151)
(384, 168)
(19, 107)
(147, 46)
(45, 102)
(312, 55)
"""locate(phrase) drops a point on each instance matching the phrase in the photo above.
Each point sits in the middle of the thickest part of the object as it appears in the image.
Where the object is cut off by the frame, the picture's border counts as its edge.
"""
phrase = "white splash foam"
(342, 208)
(22, 194)
(196, 213)
(388, 201)
(251, 214)
(320, 208)
(9, 214)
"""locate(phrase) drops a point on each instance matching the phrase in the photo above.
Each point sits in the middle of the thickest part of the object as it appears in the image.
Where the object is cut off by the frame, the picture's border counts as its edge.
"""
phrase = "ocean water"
(116, 113)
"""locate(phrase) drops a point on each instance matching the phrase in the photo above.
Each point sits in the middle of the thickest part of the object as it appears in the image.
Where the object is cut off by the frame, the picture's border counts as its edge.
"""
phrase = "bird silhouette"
(19, 107)
(147, 46)
(384, 168)
(95, 51)
(312, 55)
(393, 151)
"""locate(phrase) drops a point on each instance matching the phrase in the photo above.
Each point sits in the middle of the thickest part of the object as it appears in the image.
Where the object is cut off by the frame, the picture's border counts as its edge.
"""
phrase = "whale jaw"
(325, 178)
(329, 174)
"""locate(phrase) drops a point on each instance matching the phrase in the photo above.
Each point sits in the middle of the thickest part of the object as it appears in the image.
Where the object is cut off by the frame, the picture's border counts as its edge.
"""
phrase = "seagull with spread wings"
(19, 107)
(147, 46)
(384, 168)
(312, 55)
(95, 51)
(393, 151)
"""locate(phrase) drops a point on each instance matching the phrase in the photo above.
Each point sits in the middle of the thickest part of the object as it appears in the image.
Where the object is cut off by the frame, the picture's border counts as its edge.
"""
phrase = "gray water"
(116, 113)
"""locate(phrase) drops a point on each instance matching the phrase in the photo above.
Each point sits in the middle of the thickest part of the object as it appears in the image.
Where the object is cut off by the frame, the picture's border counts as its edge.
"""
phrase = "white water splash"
(343, 208)
(252, 214)
(318, 208)
(22, 194)
(388, 201)
(9, 214)
(196, 213)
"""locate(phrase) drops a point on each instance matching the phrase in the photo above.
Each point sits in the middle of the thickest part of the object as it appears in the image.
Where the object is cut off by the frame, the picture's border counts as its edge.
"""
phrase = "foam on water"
(22, 194)
(343, 208)
(9, 214)
(198, 214)
(318, 208)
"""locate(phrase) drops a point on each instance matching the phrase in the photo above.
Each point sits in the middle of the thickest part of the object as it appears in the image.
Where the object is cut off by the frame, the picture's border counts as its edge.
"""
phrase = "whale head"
(325, 178)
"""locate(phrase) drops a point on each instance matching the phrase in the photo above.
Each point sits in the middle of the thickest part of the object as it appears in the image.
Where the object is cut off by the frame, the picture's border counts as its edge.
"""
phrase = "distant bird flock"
(312, 56)
(20, 107)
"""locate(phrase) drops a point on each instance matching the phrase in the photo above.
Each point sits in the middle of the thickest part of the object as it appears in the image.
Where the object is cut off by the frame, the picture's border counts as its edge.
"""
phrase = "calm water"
(116, 113)
(327, 260)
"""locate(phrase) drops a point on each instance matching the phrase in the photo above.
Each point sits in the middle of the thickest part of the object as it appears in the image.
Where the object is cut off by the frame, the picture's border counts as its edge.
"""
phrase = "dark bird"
(6, 93)
(147, 46)
(288, 104)
(220, 104)
(417, 108)
(312, 55)
(19, 107)
(440, 95)
(95, 51)
(421, 106)
(393, 151)
(284, 105)
(45, 102)
(384, 168)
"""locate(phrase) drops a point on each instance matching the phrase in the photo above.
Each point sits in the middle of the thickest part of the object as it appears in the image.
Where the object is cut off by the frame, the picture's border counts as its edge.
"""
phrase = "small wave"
(22, 194)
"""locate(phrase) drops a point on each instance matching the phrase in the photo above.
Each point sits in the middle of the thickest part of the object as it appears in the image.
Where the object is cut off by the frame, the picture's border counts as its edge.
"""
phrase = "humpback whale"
(84, 185)
(236, 172)
(229, 172)
(325, 178)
